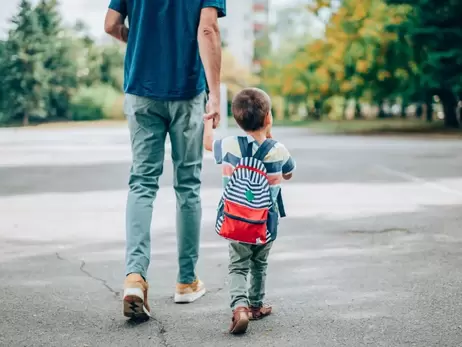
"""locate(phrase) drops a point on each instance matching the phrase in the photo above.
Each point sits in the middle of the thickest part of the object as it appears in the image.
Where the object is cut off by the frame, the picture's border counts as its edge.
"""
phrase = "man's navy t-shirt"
(162, 59)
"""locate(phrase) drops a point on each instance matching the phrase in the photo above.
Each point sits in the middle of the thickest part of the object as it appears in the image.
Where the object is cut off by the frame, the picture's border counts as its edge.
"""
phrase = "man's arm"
(210, 51)
(114, 23)
(211, 145)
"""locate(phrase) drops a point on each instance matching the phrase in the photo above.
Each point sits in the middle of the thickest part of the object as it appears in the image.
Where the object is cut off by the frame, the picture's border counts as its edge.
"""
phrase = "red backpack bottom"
(241, 223)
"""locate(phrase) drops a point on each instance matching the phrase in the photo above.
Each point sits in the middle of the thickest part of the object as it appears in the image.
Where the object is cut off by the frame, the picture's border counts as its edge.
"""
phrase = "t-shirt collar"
(250, 139)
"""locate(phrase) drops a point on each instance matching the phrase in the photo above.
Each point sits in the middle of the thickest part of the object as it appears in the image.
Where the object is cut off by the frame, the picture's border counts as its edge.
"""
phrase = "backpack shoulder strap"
(264, 149)
(245, 146)
(242, 145)
(280, 202)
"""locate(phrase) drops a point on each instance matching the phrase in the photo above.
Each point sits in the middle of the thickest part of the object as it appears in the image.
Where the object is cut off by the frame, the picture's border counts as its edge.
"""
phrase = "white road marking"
(412, 178)
(71, 156)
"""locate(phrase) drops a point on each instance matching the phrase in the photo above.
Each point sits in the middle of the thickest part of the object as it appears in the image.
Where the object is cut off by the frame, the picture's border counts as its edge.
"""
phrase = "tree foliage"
(234, 75)
(45, 64)
(376, 50)
(26, 77)
(436, 33)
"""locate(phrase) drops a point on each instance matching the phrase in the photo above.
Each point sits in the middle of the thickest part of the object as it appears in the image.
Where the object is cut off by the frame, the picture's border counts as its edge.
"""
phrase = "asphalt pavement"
(369, 255)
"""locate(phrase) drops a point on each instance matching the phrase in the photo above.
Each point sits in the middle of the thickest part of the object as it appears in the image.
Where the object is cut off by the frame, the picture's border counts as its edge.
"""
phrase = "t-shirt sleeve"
(218, 151)
(220, 5)
(288, 163)
(119, 6)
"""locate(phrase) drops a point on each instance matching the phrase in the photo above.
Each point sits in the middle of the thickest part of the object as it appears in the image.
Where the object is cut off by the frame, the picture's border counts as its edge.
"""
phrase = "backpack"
(246, 212)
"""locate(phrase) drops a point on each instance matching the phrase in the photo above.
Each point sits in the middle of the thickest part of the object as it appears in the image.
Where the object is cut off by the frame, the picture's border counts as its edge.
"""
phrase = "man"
(169, 45)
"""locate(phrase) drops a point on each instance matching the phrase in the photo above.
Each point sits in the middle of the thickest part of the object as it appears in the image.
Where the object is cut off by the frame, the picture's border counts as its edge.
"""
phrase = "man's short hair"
(250, 107)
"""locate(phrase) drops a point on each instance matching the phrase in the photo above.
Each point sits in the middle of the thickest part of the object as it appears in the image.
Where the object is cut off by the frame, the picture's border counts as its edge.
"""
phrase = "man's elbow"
(109, 28)
(112, 21)
(109, 25)
(209, 29)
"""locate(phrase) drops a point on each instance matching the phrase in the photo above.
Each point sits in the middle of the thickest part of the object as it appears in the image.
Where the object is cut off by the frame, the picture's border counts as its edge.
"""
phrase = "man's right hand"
(213, 110)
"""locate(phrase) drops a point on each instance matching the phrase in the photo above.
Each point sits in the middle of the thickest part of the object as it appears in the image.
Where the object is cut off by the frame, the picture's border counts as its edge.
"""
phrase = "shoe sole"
(240, 327)
(134, 304)
(188, 298)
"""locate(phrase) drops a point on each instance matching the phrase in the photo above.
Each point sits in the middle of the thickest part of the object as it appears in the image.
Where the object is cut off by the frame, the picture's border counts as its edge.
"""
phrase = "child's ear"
(269, 119)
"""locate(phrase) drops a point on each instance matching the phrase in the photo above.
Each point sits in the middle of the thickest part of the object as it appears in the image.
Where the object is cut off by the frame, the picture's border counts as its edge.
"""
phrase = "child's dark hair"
(250, 108)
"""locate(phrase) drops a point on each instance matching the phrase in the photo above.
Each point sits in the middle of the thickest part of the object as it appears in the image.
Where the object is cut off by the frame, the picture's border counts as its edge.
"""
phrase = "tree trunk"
(429, 108)
(307, 110)
(404, 109)
(419, 111)
(459, 109)
(25, 119)
(358, 111)
(317, 110)
(286, 114)
(345, 108)
(449, 102)
(382, 113)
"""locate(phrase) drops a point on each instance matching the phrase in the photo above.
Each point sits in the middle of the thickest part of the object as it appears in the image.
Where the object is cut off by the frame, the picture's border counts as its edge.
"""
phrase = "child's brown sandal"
(257, 313)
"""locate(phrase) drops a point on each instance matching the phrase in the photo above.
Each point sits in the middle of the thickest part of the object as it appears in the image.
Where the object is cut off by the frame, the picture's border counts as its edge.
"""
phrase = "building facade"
(262, 43)
(245, 31)
(237, 31)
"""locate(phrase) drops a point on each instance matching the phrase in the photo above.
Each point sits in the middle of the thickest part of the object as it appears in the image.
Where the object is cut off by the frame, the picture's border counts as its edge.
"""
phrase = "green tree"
(365, 57)
(111, 68)
(47, 66)
(436, 34)
(3, 90)
(26, 78)
(89, 57)
(58, 61)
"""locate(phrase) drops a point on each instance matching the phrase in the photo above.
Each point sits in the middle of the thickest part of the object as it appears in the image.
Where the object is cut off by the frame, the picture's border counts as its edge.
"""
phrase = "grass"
(374, 126)
(394, 126)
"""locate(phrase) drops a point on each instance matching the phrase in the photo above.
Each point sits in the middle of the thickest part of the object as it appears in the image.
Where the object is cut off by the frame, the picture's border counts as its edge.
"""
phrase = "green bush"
(96, 102)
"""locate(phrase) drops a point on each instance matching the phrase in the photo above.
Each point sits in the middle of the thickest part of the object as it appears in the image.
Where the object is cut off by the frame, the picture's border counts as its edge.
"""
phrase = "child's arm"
(288, 166)
(208, 135)
(210, 144)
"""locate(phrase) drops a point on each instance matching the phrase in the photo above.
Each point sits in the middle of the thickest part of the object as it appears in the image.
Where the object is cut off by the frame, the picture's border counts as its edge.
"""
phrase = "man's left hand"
(213, 111)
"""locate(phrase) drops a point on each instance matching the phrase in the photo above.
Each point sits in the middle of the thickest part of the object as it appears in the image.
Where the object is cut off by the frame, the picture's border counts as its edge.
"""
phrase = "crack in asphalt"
(160, 326)
(88, 274)
(104, 282)
(162, 331)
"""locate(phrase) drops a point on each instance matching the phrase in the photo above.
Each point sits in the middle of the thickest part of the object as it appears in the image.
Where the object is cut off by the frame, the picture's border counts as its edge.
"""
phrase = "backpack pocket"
(242, 224)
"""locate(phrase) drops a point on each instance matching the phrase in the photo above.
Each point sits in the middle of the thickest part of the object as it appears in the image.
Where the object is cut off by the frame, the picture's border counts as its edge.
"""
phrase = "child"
(253, 168)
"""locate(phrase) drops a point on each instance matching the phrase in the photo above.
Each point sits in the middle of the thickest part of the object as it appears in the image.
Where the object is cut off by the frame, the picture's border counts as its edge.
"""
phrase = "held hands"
(212, 110)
